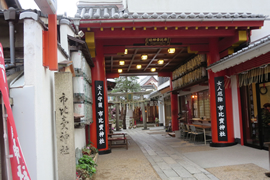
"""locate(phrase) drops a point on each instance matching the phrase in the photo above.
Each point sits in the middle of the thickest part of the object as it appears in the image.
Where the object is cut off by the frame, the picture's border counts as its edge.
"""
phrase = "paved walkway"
(172, 158)
(168, 163)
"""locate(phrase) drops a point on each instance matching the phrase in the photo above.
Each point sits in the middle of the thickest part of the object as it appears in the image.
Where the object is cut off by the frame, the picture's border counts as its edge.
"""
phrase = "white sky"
(68, 6)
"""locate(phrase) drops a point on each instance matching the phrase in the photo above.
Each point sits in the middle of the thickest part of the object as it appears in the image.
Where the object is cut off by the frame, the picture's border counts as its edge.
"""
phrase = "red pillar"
(99, 74)
(174, 108)
(213, 57)
(52, 48)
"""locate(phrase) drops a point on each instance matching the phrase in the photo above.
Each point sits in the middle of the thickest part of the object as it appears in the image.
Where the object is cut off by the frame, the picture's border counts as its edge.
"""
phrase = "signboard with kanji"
(221, 109)
(129, 96)
(100, 114)
(64, 124)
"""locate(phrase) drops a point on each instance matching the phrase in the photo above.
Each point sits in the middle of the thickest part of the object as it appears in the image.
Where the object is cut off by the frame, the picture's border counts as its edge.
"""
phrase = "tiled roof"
(252, 46)
(164, 85)
(144, 80)
(114, 13)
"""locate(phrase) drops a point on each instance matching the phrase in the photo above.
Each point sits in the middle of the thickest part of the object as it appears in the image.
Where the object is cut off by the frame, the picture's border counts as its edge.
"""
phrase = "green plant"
(86, 151)
(156, 120)
(93, 149)
(81, 173)
(86, 166)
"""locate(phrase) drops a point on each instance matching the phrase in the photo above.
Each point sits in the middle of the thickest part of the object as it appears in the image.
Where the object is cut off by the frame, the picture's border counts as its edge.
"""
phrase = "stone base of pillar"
(104, 152)
(222, 144)
(129, 118)
(127, 122)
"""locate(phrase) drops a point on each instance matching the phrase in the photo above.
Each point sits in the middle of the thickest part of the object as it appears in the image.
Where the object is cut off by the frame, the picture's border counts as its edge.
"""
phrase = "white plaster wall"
(236, 121)
(40, 78)
(80, 140)
(161, 111)
(24, 117)
(60, 56)
(198, 6)
(65, 30)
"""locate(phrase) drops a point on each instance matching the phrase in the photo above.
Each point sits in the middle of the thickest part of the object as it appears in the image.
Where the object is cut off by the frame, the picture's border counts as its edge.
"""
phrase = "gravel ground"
(124, 164)
(240, 172)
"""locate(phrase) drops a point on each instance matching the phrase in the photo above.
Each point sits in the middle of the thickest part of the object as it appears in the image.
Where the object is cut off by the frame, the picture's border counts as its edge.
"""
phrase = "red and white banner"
(18, 165)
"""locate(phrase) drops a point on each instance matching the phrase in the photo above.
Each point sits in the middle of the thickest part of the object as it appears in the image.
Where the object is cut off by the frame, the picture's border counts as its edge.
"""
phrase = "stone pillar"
(64, 121)
(127, 116)
(220, 102)
(99, 76)
(143, 114)
(161, 112)
(174, 108)
(117, 113)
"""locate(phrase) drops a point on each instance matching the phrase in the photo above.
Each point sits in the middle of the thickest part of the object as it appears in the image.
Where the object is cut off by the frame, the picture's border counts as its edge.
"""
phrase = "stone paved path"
(168, 163)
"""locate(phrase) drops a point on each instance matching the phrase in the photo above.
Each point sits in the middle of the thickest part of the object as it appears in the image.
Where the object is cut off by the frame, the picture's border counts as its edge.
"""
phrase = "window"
(201, 104)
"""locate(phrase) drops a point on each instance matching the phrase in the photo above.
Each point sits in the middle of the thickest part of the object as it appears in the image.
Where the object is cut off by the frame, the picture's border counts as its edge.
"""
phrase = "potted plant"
(157, 121)
(86, 167)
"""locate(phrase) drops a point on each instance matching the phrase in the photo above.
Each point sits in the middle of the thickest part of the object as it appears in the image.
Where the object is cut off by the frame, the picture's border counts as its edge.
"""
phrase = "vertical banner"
(18, 164)
(64, 125)
(100, 114)
(221, 109)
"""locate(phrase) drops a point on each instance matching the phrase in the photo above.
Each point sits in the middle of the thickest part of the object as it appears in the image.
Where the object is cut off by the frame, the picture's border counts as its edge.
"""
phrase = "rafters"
(152, 59)
(172, 59)
(135, 52)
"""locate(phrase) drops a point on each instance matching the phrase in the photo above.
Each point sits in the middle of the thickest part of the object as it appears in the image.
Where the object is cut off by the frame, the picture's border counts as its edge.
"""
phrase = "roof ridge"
(89, 12)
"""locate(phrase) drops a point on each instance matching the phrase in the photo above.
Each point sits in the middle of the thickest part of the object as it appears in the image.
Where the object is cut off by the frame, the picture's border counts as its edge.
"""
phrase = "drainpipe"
(10, 16)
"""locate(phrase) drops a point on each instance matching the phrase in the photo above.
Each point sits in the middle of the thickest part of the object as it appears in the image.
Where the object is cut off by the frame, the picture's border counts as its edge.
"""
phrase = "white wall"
(80, 140)
(161, 110)
(33, 112)
(204, 6)
(65, 30)
(34, 104)
(236, 120)
(24, 116)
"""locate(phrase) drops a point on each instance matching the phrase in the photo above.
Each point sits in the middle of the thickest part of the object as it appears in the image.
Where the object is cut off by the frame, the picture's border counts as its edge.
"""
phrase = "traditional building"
(185, 40)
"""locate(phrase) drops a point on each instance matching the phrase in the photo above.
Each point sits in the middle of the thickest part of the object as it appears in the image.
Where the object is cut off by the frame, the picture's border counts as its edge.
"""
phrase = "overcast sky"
(68, 6)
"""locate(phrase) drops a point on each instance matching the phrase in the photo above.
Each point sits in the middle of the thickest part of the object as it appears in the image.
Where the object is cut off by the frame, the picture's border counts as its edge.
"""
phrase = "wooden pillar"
(99, 76)
(220, 102)
(174, 108)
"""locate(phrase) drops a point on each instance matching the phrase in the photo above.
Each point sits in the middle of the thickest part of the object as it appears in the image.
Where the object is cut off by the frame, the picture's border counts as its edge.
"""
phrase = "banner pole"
(7, 162)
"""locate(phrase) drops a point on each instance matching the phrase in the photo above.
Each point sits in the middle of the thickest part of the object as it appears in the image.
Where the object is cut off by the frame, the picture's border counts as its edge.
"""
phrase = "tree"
(126, 85)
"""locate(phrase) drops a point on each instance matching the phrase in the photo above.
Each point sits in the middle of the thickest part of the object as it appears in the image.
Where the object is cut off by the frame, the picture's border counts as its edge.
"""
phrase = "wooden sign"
(221, 109)
(100, 114)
